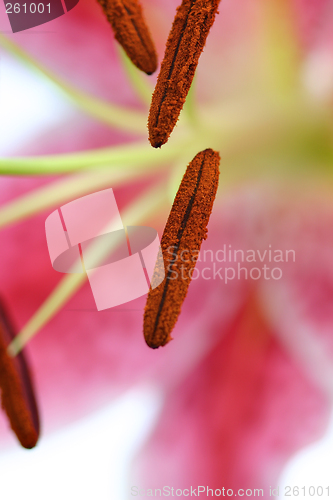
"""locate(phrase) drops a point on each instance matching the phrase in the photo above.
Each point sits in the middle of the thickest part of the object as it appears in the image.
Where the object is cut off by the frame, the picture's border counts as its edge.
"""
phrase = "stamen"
(17, 394)
(131, 31)
(185, 230)
(186, 41)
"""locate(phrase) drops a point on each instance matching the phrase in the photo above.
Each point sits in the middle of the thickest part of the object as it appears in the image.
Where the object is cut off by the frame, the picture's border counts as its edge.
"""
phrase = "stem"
(190, 108)
(110, 114)
(64, 190)
(138, 80)
(134, 154)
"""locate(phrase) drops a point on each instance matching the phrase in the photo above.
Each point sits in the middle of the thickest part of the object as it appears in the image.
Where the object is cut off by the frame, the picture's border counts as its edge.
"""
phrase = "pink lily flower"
(247, 379)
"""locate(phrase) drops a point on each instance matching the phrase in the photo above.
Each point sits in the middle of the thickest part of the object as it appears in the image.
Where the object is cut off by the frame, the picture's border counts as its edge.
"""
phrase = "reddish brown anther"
(131, 31)
(185, 230)
(186, 41)
(17, 395)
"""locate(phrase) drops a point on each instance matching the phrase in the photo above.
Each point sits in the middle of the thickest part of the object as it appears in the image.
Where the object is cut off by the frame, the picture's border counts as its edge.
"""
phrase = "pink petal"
(236, 419)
